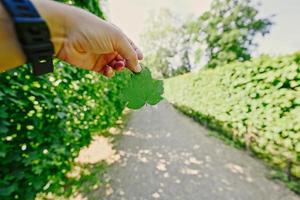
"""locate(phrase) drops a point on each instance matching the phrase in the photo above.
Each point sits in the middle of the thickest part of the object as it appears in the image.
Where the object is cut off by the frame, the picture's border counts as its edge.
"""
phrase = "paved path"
(165, 155)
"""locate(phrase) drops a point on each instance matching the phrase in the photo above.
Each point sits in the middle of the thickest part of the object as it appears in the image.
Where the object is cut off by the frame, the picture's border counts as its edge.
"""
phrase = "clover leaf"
(142, 89)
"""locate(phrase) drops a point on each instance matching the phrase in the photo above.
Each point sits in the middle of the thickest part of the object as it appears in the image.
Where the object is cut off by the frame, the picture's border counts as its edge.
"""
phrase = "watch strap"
(33, 34)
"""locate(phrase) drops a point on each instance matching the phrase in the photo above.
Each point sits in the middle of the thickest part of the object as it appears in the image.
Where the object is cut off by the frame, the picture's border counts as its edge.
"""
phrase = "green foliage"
(90, 5)
(46, 120)
(166, 45)
(278, 174)
(256, 103)
(83, 179)
(226, 32)
(221, 35)
(142, 89)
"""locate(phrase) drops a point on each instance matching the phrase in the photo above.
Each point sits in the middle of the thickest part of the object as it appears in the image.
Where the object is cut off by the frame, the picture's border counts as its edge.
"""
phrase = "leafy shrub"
(257, 103)
(90, 5)
(45, 121)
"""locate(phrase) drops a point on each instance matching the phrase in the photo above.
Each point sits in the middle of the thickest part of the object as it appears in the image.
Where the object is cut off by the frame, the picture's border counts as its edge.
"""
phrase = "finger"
(120, 58)
(102, 61)
(108, 71)
(137, 50)
(119, 65)
(125, 49)
(112, 63)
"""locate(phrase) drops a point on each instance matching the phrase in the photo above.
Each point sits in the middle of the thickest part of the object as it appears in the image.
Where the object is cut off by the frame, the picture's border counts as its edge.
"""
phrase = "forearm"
(11, 53)
(54, 14)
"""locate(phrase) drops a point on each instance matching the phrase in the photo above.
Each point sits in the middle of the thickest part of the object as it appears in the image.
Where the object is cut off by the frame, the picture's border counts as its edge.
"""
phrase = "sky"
(130, 16)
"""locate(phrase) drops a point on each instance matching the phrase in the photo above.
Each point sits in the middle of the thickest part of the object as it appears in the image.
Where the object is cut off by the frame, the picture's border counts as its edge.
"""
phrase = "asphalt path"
(166, 155)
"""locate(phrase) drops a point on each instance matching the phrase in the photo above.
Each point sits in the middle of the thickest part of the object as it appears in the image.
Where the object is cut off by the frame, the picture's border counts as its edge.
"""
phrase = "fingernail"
(119, 65)
(138, 68)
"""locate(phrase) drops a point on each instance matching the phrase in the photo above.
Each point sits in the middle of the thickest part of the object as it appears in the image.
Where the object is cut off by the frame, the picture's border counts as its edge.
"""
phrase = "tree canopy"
(227, 31)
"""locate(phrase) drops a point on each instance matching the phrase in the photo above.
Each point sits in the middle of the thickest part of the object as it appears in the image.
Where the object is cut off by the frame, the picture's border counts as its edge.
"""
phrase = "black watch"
(33, 34)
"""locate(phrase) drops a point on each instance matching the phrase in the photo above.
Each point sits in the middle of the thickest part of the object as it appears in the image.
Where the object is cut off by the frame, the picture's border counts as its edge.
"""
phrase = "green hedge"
(90, 5)
(257, 103)
(45, 121)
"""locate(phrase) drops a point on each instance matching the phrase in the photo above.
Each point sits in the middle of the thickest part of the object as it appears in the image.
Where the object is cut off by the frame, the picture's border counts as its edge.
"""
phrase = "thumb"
(126, 50)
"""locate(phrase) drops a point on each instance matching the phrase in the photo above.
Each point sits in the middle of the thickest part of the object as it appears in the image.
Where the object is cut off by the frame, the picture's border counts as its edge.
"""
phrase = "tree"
(166, 44)
(91, 6)
(227, 31)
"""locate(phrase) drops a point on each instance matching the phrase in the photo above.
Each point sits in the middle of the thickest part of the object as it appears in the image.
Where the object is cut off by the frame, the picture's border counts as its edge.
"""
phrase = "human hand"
(84, 40)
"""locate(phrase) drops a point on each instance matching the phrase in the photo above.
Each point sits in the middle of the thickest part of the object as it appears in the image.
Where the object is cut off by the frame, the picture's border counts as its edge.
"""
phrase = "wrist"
(11, 53)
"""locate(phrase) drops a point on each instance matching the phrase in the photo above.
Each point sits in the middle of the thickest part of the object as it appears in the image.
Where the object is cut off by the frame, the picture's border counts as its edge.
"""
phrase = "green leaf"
(142, 89)
(153, 97)
(6, 191)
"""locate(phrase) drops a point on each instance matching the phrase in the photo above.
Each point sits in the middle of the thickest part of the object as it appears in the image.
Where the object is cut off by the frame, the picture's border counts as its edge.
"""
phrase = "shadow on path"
(165, 155)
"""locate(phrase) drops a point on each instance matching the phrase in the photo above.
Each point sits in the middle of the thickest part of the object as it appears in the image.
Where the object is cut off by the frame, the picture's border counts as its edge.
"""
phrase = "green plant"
(226, 32)
(45, 121)
(255, 103)
(142, 89)
(90, 5)
(166, 44)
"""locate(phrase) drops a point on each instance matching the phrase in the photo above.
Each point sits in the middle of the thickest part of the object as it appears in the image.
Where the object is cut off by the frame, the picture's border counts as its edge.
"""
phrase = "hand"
(84, 40)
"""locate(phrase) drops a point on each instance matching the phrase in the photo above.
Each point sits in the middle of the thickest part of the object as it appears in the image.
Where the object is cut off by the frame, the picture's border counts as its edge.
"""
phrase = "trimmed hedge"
(45, 121)
(256, 103)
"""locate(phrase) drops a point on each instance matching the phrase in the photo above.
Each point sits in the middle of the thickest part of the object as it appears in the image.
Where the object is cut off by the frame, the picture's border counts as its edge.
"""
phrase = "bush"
(45, 121)
(256, 102)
